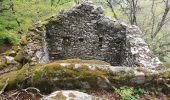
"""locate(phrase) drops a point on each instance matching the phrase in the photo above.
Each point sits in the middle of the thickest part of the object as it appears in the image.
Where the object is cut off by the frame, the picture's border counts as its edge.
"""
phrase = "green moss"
(19, 56)
(2, 66)
(54, 19)
(120, 78)
(54, 75)
(15, 77)
(146, 72)
(59, 96)
(48, 77)
(164, 75)
(79, 61)
(16, 48)
(24, 40)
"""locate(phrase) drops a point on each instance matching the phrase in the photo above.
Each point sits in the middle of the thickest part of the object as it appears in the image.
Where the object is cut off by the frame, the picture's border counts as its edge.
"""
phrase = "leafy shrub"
(140, 91)
(166, 62)
(126, 93)
(8, 38)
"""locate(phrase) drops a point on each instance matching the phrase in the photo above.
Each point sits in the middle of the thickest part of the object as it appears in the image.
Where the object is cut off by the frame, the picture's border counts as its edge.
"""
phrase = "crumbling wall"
(142, 56)
(84, 32)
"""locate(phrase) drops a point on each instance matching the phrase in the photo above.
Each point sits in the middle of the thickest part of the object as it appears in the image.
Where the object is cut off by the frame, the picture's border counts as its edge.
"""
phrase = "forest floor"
(107, 95)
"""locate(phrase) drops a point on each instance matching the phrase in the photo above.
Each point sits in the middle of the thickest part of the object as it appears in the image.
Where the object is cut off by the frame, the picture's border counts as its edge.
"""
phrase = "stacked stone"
(140, 50)
(84, 32)
(33, 45)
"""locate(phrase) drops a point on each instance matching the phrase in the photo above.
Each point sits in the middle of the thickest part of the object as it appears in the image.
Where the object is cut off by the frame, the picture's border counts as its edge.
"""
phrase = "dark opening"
(66, 41)
(81, 39)
(100, 42)
(118, 42)
(100, 39)
(100, 45)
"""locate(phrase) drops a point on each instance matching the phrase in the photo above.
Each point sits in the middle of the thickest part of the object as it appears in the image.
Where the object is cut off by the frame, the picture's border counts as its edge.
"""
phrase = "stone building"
(85, 32)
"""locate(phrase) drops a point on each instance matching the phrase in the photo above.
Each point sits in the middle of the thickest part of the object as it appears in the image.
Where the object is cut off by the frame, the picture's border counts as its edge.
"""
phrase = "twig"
(32, 88)
(6, 83)
(18, 93)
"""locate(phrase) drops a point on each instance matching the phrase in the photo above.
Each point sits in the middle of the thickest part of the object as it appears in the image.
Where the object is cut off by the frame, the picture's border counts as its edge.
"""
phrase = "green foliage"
(82, 90)
(16, 20)
(140, 91)
(166, 62)
(6, 37)
(126, 93)
(130, 93)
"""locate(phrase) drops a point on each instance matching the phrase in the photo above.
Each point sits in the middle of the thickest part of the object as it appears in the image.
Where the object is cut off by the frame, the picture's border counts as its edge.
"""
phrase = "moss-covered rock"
(22, 58)
(7, 61)
(14, 78)
(19, 56)
(24, 40)
(52, 76)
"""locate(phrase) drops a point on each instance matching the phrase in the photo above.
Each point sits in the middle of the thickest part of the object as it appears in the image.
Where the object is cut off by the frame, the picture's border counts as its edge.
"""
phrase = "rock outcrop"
(86, 74)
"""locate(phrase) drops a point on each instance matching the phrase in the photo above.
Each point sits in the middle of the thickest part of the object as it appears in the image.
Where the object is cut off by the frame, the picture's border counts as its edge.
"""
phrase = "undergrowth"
(8, 38)
(130, 93)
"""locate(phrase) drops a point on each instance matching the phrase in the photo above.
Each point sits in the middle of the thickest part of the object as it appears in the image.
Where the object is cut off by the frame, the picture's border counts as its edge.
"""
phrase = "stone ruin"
(85, 32)
(82, 32)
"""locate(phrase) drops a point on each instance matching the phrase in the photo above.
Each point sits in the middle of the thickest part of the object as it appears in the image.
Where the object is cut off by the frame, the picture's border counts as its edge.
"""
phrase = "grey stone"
(85, 85)
(139, 77)
(10, 58)
(70, 95)
(102, 83)
(84, 32)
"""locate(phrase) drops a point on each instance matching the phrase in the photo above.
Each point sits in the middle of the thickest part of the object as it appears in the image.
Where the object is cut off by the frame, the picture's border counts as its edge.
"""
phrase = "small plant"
(82, 90)
(140, 91)
(126, 93)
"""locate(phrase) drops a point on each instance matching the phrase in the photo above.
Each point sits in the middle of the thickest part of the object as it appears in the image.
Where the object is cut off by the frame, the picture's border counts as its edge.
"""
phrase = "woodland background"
(152, 16)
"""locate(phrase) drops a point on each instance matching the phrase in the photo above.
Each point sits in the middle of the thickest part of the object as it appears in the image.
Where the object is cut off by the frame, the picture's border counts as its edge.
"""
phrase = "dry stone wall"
(85, 32)
(139, 49)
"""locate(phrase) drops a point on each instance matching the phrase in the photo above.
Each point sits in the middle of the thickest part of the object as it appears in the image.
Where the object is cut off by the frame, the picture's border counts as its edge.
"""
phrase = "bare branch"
(6, 83)
(111, 7)
(161, 23)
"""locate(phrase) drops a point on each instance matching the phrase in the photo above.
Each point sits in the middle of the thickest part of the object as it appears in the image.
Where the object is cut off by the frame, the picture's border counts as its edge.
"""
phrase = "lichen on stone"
(59, 96)
(71, 95)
